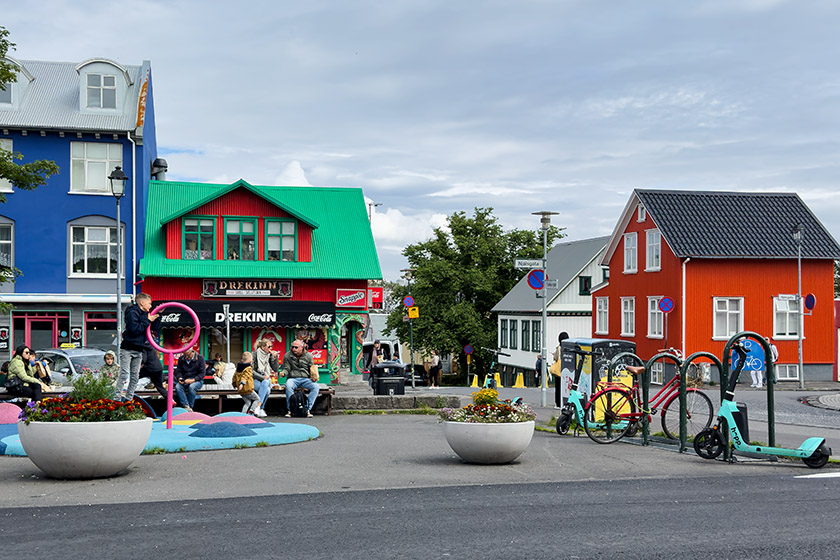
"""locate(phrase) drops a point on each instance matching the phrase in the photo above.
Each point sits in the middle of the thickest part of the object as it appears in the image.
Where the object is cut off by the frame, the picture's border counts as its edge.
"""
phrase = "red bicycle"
(615, 411)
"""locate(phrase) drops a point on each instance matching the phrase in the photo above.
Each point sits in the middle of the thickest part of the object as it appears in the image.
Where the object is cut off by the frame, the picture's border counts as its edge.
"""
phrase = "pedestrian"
(29, 385)
(133, 345)
(110, 368)
(297, 368)
(774, 354)
(538, 369)
(557, 369)
(189, 377)
(376, 356)
(434, 371)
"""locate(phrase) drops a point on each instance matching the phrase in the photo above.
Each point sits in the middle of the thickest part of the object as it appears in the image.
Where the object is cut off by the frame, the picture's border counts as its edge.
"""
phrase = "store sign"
(249, 313)
(376, 298)
(247, 288)
(4, 338)
(345, 298)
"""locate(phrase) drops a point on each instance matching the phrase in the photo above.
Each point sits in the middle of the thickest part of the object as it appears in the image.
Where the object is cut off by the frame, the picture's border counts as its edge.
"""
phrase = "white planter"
(84, 449)
(488, 443)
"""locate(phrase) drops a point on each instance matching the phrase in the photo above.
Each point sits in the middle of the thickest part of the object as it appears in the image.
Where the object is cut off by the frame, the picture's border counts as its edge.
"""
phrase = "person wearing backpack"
(297, 367)
(243, 382)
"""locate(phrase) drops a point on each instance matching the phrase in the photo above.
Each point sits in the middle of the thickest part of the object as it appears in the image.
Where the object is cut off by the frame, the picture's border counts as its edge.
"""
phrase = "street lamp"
(407, 274)
(118, 180)
(797, 236)
(545, 220)
(371, 206)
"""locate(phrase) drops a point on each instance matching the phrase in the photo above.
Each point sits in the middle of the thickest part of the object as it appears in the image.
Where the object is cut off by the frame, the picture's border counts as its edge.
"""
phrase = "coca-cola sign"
(323, 319)
(351, 298)
(170, 318)
(211, 313)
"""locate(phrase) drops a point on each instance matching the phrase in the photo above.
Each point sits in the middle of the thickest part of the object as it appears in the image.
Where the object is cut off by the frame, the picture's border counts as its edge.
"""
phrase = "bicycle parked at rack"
(615, 410)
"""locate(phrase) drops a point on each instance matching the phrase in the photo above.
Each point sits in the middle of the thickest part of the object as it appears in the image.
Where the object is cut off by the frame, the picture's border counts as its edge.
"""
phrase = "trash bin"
(388, 378)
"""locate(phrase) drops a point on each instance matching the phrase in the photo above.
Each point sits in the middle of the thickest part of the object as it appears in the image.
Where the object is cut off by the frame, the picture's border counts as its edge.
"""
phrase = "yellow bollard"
(520, 382)
(474, 381)
(498, 381)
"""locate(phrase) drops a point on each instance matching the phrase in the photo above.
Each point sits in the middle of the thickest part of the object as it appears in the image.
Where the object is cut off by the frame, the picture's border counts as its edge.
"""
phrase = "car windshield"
(93, 362)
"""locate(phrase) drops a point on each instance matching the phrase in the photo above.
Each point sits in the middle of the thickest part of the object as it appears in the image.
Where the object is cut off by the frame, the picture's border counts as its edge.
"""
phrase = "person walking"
(434, 371)
(133, 345)
(297, 367)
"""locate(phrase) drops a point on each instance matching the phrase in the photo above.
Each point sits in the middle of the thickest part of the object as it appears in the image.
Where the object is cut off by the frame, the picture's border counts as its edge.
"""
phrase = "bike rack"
(683, 375)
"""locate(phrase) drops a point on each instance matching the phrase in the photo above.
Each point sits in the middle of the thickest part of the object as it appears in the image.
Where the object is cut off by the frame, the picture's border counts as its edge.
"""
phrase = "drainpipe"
(684, 309)
(133, 215)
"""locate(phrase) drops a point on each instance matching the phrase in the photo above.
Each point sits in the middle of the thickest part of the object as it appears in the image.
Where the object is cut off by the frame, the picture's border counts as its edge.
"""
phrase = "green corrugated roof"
(342, 241)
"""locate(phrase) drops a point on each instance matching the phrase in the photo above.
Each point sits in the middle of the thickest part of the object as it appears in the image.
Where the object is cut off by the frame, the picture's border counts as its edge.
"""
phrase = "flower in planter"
(89, 401)
(486, 408)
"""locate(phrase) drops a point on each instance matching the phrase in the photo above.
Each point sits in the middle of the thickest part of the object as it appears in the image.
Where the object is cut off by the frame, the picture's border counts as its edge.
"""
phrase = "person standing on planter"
(189, 377)
(297, 366)
(137, 320)
(30, 386)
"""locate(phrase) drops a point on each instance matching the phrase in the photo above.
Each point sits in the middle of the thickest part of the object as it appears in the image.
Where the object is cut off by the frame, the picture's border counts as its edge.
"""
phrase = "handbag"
(13, 382)
(556, 369)
(314, 375)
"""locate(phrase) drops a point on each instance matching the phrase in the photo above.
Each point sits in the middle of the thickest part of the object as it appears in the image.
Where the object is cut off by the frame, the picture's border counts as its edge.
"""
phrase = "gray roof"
(715, 224)
(52, 101)
(565, 262)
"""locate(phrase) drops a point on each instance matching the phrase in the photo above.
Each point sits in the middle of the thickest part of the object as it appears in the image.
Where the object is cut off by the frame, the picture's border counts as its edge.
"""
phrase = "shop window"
(94, 250)
(199, 238)
(100, 328)
(240, 239)
(90, 165)
(280, 240)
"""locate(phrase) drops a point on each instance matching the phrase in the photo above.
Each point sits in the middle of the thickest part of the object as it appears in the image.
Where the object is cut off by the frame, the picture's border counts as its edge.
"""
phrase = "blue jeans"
(186, 393)
(263, 388)
(130, 362)
(293, 383)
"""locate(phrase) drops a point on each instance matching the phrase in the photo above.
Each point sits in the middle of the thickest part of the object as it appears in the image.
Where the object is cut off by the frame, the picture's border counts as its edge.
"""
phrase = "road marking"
(820, 475)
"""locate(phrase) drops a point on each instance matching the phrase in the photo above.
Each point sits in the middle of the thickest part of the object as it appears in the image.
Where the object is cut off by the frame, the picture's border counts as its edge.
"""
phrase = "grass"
(154, 451)
(423, 410)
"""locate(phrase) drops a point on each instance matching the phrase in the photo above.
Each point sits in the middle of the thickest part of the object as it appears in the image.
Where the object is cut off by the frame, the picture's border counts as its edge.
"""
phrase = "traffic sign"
(810, 301)
(468, 349)
(666, 305)
(527, 263)
(536, 279)
(413, 312)
(552, 284)
(408, 301)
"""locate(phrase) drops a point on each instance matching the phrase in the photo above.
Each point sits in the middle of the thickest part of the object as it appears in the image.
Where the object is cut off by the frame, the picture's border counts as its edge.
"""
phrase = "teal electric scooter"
(573, 407)
(710, 443)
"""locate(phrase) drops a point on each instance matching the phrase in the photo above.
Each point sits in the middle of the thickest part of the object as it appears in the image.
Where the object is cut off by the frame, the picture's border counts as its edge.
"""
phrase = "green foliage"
(154, 451)
(459, 275)
(90, 385)
(486, 408)
(8, 72)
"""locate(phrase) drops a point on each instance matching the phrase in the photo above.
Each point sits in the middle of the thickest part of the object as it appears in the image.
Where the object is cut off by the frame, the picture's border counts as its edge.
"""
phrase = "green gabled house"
(262, 262)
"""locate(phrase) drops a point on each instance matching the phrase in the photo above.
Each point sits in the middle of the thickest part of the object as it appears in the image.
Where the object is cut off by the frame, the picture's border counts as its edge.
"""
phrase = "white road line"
(820, 475)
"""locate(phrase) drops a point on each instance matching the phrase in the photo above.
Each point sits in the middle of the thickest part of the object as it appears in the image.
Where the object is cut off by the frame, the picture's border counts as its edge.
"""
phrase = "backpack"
(298, 404)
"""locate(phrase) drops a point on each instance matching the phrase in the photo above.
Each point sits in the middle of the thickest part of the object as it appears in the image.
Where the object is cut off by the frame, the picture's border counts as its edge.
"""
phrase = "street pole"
(797, 235)
(545, 220)
(226, 309)
(119, 279)
(408, 273)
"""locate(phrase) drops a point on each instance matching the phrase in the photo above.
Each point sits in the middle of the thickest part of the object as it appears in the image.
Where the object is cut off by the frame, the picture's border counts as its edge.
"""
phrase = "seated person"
(243, 382)
(297, 365)
(30, 385)
(189, 377)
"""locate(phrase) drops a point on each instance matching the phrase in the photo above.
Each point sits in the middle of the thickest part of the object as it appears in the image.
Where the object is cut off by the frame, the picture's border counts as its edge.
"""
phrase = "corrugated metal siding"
(173, 239)
(302, 290)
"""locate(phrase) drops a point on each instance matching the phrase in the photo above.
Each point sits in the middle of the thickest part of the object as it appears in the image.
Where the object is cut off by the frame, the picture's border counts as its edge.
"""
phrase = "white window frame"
(631, 253)
(724, 311)
(11, 243)
(628, 316)
(653, 254)
(786, 372)
(6, 144)
(602, 315)
(785, 311)
(656, 318)
(93, 170)
(87, 244)
(101, 88)
(657, 373)
(641, 213)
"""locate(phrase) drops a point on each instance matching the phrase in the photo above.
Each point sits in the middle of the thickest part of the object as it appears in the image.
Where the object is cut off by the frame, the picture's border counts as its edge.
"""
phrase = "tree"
(23, 176)
(458, 276)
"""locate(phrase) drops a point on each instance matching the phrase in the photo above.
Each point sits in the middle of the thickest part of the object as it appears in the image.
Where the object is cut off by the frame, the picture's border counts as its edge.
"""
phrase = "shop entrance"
(41, 330)
(351, 347)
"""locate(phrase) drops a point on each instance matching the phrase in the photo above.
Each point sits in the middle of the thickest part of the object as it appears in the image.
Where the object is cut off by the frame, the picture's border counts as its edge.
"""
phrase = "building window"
(100, 328)
(628, 316)
(6, 145)
(786, 372)
(584, 285)
(657, 373)
(6, 94)
(728, 317)
(605, 274)
(280, 240)
(641, 213)
(503, 326)
(240, 240)
(655, 318)
(7, 245)
(101, 91)
(94, 250)
(535, 336)
(512, 337)
(602, 315)
(90, 165)
(785, 318)
(630, 252)
(199, 238)
(526, 337)
(653, 257)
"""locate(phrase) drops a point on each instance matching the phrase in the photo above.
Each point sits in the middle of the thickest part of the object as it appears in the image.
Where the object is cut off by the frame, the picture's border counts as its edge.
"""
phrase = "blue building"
(88, 117)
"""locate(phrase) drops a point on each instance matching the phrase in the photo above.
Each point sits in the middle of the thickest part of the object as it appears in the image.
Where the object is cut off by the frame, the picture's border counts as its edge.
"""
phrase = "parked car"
(67, 362)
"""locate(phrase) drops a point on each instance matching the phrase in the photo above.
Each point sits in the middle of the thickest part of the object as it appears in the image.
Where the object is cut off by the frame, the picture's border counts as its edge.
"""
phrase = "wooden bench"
(207, 392)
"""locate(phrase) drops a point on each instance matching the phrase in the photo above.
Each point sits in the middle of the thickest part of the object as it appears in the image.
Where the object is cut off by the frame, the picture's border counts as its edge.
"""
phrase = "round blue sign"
(408, 301)
(536, 279)
(666, 305)
(810, 301)
(468, 349)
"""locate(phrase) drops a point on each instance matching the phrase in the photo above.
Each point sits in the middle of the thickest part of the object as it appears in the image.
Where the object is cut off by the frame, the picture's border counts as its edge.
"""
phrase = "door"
(41, 333)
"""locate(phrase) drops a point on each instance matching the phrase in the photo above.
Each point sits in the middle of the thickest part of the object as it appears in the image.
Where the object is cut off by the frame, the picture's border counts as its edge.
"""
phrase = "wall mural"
(342, 319)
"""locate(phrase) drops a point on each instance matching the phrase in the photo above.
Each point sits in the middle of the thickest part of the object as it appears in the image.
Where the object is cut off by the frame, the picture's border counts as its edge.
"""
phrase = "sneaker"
(261, 413)
(188, 409)
(309, 415)
(288, 415)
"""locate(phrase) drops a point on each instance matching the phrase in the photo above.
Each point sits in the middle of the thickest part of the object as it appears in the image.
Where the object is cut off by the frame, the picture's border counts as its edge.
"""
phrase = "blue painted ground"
(199, 432)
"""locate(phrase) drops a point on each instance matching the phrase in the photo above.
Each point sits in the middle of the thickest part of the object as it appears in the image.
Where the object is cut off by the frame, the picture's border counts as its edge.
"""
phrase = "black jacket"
(136, 322)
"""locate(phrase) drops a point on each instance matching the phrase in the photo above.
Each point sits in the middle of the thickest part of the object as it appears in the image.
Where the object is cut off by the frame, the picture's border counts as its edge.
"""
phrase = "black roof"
(736, 224)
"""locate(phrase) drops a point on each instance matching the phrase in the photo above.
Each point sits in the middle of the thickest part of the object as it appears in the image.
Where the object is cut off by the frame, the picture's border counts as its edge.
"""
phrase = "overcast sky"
(437, 106)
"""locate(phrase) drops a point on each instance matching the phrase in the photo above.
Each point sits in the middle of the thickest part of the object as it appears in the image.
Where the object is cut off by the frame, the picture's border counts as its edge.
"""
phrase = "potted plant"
(489, 431)
(84, 433)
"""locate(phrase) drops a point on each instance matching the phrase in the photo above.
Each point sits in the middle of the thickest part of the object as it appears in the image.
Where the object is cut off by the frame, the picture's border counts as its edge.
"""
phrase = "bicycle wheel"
(608, 415)
(698, 411)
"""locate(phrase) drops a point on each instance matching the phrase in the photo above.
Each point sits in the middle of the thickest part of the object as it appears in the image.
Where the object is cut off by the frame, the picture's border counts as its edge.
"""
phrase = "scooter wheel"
(708, 443)
(817, 460)
(563, 423)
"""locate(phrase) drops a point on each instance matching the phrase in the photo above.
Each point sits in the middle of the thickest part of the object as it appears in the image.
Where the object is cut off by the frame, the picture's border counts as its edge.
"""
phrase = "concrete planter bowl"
(81, 450)
(488, 444)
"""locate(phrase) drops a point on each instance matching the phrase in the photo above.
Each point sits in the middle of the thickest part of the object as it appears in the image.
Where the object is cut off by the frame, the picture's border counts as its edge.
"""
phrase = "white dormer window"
(6, 94)
(101, 91)
(641, 214)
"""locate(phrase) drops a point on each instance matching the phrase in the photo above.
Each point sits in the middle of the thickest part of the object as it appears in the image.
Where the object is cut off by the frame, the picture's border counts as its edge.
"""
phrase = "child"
(243, 382)
(110, 369)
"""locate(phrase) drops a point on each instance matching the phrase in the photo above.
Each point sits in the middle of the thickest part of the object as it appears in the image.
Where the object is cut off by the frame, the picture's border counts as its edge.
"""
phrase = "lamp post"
(797, 236)
(118, 180)
(545, 220)
(407, 273)
(226, 310)
(371, 206)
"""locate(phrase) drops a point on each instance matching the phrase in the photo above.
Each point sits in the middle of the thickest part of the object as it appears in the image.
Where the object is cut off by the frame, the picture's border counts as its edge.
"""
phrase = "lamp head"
(118, 179)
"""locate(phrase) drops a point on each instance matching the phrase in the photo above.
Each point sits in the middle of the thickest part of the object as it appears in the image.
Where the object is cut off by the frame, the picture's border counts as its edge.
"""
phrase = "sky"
(434, 107)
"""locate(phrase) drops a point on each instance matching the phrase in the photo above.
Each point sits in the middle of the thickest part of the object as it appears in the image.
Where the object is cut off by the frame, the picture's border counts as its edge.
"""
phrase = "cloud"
(292, 176)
